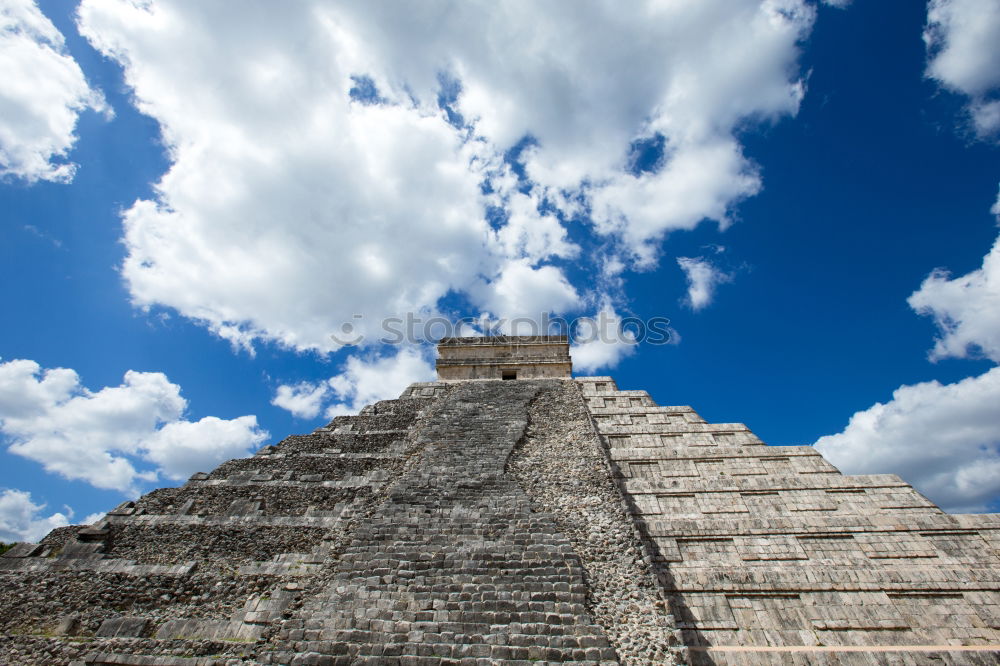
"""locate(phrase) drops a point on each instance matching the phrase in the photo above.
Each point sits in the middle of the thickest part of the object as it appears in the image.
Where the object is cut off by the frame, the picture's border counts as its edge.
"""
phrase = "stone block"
(123, 627)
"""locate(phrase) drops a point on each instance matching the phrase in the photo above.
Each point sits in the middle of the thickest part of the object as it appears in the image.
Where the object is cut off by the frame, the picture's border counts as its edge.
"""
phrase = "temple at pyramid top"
(504, 357)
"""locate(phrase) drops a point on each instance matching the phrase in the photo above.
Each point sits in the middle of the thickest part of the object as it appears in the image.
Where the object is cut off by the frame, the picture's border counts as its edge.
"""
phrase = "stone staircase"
(397, 536)
(456, 564)
(209, 568)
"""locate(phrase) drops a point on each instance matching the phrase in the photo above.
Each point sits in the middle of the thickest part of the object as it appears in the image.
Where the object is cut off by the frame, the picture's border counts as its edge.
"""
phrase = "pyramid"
(509, 513)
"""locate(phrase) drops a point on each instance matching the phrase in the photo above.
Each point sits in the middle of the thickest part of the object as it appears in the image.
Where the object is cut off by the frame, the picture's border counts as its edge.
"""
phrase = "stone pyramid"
(479, 521)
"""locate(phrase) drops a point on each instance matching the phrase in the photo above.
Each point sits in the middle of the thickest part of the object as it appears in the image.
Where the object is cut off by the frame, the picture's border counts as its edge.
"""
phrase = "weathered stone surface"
(203, 581)
(770, 555)
(504, 357)
(24, 550)
(513, 522)
(123, 627)
(457, 561)
(563, 467)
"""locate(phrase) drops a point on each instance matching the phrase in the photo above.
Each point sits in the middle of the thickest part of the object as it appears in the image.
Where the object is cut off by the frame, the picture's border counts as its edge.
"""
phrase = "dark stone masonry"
(542, 520)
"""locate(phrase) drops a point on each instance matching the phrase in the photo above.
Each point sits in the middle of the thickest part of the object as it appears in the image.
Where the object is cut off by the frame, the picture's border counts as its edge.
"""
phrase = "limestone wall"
(770, 554)
(521, 369)
(500, 357)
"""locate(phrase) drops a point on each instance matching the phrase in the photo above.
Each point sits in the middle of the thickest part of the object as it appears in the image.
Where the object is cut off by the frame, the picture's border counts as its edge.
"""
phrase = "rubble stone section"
(456, 566)
(771, 555)
(504, 357)
(562, 466)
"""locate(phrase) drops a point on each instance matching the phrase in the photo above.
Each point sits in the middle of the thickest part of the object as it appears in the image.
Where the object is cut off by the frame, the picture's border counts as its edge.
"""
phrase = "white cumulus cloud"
(521, 290)
(365, 379)
(700, 181)
(966, 309)
(601, 342)
(368, 380)
(22, 520)
(702, 279)
(303, 400)
(115, 437)
(42, 94)
(944, 439)
(181, 447)
(533, 235)
(963, 44)
(292, 205)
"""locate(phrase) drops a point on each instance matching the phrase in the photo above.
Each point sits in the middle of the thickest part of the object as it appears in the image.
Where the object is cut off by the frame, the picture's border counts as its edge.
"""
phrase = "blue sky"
(193, 201)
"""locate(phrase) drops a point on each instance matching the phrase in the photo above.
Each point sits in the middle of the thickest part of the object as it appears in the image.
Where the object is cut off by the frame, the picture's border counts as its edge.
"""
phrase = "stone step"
(455, 533)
